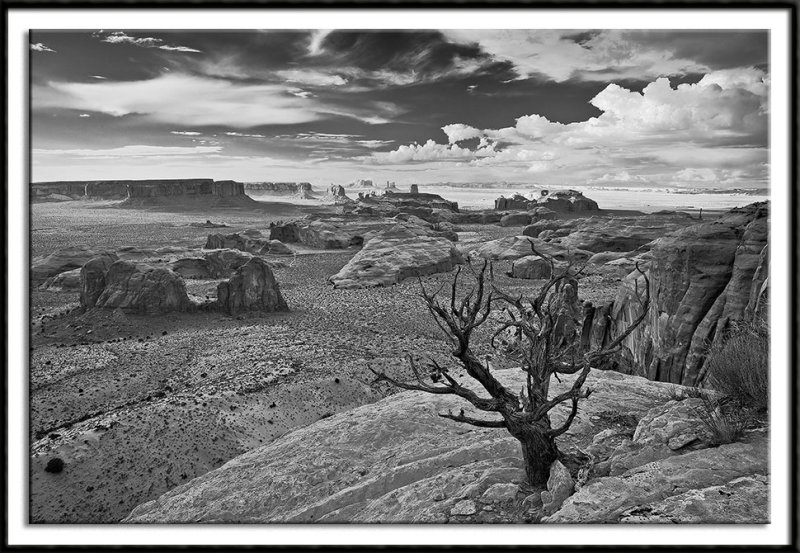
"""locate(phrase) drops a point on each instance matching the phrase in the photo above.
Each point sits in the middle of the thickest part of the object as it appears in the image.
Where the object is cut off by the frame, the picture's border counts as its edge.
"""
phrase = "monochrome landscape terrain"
(428, 276)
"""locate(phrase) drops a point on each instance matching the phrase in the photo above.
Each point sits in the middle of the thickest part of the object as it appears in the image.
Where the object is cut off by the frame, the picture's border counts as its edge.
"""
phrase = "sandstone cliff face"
(701, 279)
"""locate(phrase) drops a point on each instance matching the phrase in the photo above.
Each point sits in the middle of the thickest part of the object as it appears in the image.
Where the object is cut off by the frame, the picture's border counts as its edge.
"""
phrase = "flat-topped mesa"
(279, 187)
(127, 189)
(564, 201)
(189, 187)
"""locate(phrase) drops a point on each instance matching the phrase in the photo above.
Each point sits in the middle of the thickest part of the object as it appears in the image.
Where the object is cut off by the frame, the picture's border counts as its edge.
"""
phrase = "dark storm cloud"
(717, 49)
(426, 52)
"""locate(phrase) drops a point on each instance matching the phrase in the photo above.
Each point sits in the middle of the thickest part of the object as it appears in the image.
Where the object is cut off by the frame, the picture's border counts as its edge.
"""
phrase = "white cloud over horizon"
(708, 132)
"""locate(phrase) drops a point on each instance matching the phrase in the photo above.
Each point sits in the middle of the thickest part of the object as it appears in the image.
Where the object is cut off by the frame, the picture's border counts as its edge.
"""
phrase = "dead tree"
(543, 355)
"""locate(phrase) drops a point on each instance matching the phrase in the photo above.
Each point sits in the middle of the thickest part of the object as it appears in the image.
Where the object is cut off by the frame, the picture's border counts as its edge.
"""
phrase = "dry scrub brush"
(738, 367)
(546, 349)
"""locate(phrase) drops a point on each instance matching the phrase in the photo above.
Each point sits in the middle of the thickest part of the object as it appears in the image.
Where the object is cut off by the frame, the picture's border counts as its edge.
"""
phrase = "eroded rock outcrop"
(139, 288)
(252, 243)
(60, 261)
(702, 278)
(516, 247)
(251, 288)
(395, 255)
(93, 278)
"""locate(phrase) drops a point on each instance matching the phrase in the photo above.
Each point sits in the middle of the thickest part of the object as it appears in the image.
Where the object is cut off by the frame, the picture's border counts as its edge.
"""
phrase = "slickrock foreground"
(397, 461)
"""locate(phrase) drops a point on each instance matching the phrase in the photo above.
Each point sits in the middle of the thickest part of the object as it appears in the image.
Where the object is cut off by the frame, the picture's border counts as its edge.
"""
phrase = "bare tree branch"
(474, 422)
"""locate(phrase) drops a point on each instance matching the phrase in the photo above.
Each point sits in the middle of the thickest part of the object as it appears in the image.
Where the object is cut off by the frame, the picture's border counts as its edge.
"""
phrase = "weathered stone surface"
(535, 229)
(701, 279)
(515, 247)
(499, 493)
(394, 460)
(139, 288)
(515, 219)
(676, 424)
(192, 267)
(531, 267)
(345, 232)
(93, 278)
(605, 499)
(63, 282)
(605, 257)
(62, 260)
(543, 214)
(743, 500)
(560, 486)
(464, 507)
(251, 244)
(395, 255)
(251, 288)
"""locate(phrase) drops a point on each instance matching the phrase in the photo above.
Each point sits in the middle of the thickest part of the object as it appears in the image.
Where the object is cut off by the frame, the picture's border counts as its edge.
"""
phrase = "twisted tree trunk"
(539, 451)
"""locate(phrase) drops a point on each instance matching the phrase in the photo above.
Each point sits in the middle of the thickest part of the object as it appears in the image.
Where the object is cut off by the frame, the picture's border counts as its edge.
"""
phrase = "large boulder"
(142, 289)
(702, 278)
(93, 278)
(251, 288)
(395, 255)
(531, 267)
(60, 261)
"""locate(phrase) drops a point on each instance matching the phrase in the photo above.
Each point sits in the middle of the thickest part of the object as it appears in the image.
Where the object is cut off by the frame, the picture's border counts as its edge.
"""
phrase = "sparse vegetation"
(548, 344)
(739, 366)
(726, 421)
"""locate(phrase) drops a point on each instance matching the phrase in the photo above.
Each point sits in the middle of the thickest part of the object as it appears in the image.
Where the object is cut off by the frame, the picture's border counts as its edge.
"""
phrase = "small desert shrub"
(739, 366)
(725, 420)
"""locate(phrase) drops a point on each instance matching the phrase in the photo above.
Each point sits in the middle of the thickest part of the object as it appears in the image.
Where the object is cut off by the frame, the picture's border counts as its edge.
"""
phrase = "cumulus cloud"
(716, 124)
(458, 132)
(119, 37)
(39, 47)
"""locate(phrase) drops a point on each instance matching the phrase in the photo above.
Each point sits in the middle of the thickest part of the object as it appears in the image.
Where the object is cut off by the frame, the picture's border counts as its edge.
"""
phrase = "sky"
(540, 107)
